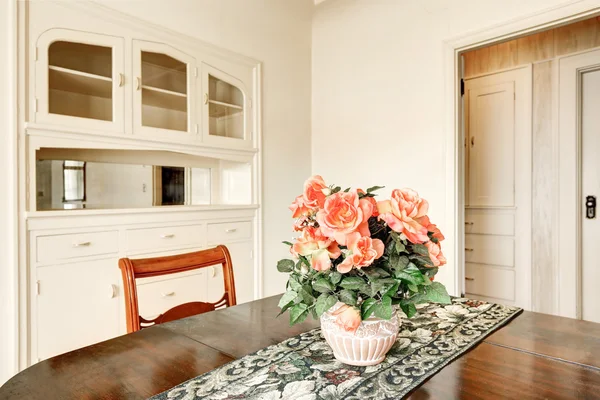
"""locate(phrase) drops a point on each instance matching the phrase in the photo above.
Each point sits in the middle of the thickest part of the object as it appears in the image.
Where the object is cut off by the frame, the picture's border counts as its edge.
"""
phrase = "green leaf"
(420, 249)
(435, 293)
(400, 247)
(409, 309)
(335, 189)
(384, 310)
(288, 243)
(375, 272)
(347, 190)
(324, 303)
(413, 288)
(322, 285)
(374, 188)
(285, 265)
(287, 298)
(393, 290)
(367, 290)
(298, 313)
(423, 261)
(294, 284)
(335, 277)
(367, 308)
(347, 297)
(306, 296)
(352, 282)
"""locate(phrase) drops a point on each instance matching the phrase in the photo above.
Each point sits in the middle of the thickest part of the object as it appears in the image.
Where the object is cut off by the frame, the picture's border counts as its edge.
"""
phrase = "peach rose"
(320, 248)
(370, 200)
(363, 251)
(342, 214)
(435, 254)
(347, 318)
(314, 192)
(402, 213)
(298, 207)
(431, 228)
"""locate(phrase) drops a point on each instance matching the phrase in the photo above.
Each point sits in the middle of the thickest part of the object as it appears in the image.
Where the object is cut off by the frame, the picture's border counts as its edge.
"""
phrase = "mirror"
(67, 179)
(69, 184)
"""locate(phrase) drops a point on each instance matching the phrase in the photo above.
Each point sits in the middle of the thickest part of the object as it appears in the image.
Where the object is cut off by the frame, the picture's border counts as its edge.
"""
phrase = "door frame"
(571, 69)
(453, 47)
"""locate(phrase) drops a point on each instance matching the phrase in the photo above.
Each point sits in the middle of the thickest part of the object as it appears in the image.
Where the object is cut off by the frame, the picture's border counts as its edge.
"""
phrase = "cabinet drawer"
(62, 247)
(490, 249)
(155, 297)
(489, 281)
(228, 231)
(489, 222)
(164, 237)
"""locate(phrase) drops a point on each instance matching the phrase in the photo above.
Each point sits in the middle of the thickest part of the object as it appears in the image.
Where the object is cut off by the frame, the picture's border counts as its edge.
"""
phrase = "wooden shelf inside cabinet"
(70, 80)
(220, 109)
(162, 98)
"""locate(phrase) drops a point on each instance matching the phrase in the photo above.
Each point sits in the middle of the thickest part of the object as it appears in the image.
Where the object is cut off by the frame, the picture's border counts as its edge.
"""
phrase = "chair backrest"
(156, 266)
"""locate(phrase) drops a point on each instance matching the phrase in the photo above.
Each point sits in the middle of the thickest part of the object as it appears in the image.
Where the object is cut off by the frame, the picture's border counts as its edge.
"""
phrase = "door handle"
(590, 207)
(205, 98)
(138, 85)
(121, 79)
(168, 294)
(82, 244)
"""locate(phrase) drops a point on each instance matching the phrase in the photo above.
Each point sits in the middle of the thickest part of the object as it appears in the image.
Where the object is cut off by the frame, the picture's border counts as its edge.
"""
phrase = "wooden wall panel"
(541, 46)
(544, 271)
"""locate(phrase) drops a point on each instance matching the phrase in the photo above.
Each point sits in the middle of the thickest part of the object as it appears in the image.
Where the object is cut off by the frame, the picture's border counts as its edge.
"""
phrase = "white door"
(77, 305)
(578, 145)
(498, 187)
(590, 186)
(491, 145)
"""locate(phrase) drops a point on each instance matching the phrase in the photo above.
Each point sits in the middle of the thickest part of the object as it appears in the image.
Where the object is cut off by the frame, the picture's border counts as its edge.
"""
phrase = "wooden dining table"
(535, 356)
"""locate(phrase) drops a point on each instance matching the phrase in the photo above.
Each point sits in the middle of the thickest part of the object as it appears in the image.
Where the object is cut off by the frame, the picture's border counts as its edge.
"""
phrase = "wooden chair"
(148, 267)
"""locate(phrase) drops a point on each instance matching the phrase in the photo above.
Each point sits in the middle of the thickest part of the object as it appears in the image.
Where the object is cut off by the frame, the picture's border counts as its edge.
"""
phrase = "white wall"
(278, 33)
(8, 217)
(378, 109)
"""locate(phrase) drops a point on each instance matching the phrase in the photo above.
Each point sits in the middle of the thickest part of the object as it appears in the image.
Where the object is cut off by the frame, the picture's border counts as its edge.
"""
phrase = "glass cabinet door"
(79, 80)
(163, 100)
(225, 105)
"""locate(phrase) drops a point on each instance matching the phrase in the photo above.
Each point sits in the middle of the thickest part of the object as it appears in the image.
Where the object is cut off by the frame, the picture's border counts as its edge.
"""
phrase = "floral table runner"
(303, 367)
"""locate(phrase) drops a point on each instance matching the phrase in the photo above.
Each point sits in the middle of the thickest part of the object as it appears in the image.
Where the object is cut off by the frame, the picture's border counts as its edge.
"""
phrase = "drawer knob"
(168, 294)
(81, 244)
(230, 230)
(468, 249)
(469, 223)
(167, 236)
(469, 279)
(113, 291)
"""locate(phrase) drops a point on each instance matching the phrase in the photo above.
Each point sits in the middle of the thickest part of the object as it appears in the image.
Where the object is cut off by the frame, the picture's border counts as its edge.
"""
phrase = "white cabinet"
(164, 100)
(79, 80)
(77, 304)
(243, 273)
(226, 116)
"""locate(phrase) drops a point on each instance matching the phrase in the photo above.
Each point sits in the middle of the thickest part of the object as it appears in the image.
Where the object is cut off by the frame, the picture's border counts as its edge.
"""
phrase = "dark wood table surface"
(536, 356)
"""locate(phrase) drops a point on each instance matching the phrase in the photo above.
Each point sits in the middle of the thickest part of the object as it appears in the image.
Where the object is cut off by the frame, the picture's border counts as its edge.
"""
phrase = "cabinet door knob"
(469, 278)
(121, 80)
(168, 294)
(231, 230)
(81, 244)
(113, 291)
(167, 236)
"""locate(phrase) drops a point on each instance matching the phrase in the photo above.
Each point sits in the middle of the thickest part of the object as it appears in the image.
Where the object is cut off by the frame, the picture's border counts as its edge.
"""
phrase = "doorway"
(543, 52)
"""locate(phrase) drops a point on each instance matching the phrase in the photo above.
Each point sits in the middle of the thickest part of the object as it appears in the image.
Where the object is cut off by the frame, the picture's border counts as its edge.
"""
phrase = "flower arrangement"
(370, 255)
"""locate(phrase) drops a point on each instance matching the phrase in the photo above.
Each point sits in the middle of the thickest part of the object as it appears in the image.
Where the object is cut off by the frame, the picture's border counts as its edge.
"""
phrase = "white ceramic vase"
(367, 346)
